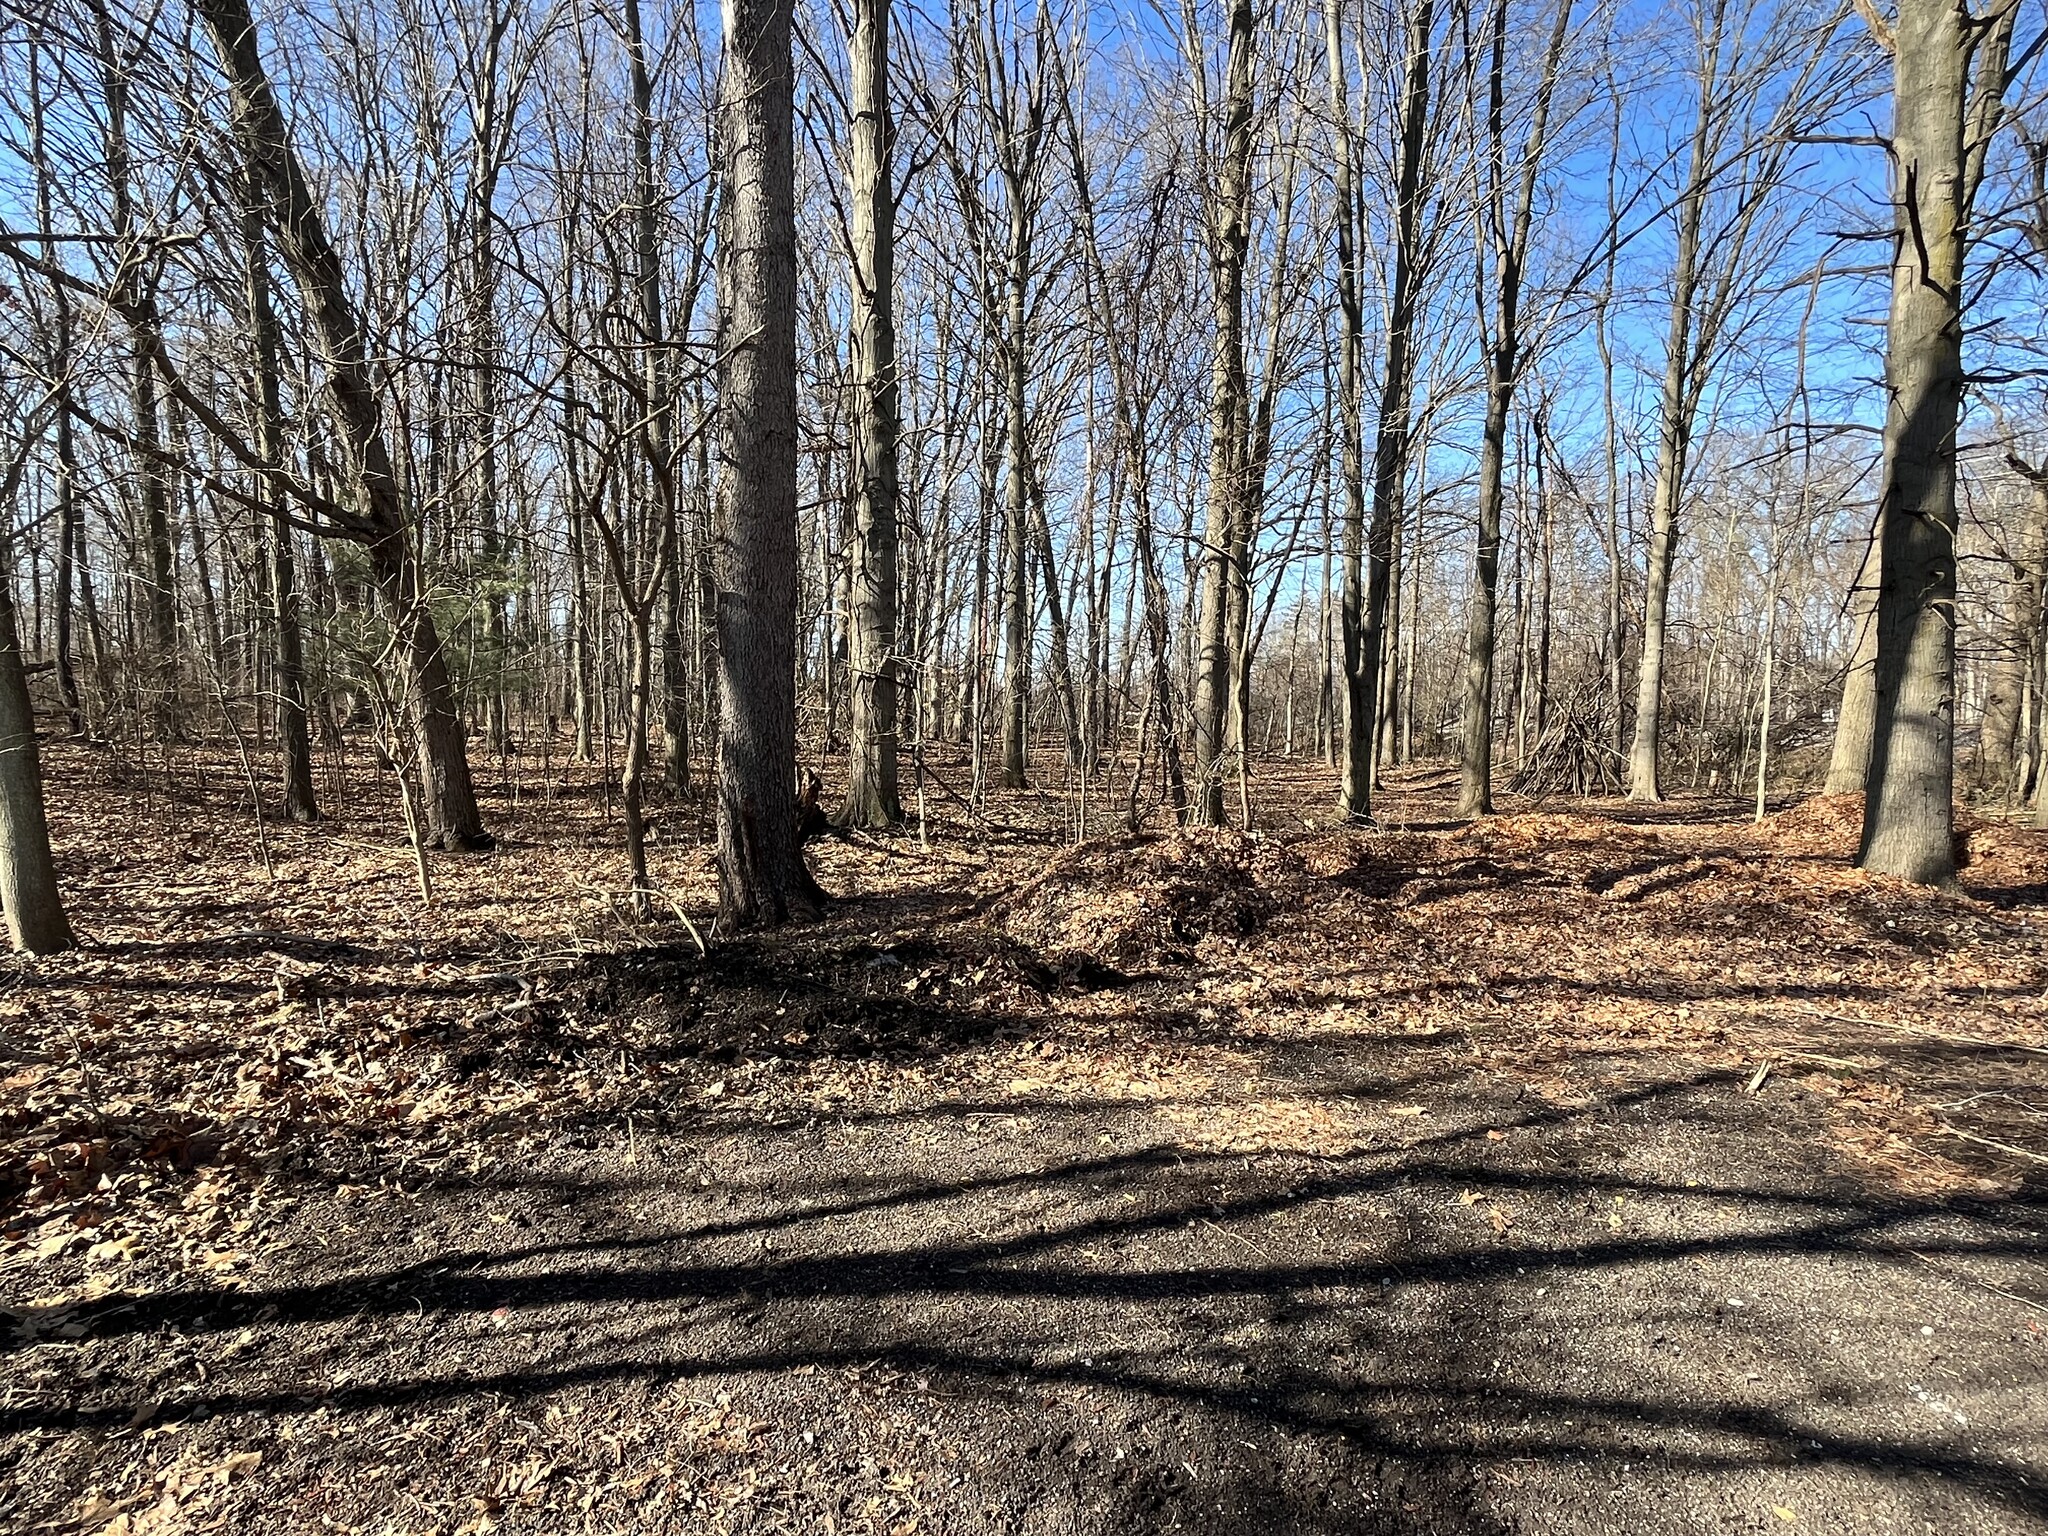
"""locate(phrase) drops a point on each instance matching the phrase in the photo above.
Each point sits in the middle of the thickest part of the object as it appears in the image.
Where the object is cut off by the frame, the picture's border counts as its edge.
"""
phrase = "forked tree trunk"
(1939, 134)
(761, 874)
(1503, 351)
(382, 525)
(871, 798)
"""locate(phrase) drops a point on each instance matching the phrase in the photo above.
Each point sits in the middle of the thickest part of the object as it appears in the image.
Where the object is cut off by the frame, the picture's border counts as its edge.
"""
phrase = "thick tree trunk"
(871, 798)
(452, 822)
(1229, 420)
(28, 875)
(1938, 138)
(1475, 750)
(762, 877)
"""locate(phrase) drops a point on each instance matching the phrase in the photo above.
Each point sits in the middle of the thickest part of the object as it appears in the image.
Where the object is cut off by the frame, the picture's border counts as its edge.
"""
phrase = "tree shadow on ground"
(1153, 1336)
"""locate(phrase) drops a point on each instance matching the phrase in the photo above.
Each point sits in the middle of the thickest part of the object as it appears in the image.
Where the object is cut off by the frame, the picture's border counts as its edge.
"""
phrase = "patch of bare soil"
(1550, 1174)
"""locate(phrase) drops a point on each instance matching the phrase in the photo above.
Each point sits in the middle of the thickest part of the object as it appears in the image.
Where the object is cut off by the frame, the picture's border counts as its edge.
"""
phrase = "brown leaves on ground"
(228, 1046)
(1151, 897)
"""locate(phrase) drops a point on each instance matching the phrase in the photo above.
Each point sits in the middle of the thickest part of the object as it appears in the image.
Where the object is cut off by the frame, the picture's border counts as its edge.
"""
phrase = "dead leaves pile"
(1149, 899)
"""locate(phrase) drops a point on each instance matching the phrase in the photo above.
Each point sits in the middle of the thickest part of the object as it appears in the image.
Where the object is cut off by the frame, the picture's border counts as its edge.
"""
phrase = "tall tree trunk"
(1390, 445)
(1016, 569)
(383, 525)
(66, 520)
(1229, 238)
(154, 572)
(1509, 240)
(1674, 428)
(1354, 778)
(293, 730)
(1940, 131)
(761, 873)
(871, 798)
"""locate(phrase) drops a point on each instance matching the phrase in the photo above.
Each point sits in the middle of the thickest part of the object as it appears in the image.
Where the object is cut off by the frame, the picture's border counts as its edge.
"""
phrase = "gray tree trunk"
(1850, 759)
(872, 724)
(1390, 445)
(294, 734)
(1507, 231)
(2019, 638)
(1229, 218)
(761, 873)
(28, 874)
(384, 528)
(1940, 128)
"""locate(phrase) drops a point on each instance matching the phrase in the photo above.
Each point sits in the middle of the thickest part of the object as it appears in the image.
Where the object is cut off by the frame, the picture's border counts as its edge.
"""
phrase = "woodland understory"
(1030, 769)
(1593, 1166)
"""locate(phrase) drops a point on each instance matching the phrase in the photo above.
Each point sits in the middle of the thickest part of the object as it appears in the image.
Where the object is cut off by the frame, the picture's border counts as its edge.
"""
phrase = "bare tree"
(871, 795)
(1503, 217)
(379, 520)
(762, 876)
(1950, 79)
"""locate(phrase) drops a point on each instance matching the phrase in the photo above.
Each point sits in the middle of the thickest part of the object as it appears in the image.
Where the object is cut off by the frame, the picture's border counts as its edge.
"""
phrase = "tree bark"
(1508, 230)
(1016, 569)
(871, 795)
(383, 525)
(67, 520)
(1939, 133)
(1850, 759)
(1675, 406)
(1390, 445)
(762, 877)
(294, 735)
(1354, 774)
(1229, 232)
(28, 874)
(2020, 636)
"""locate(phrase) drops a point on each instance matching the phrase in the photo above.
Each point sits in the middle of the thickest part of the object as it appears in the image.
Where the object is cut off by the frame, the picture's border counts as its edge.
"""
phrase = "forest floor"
(1594, 1168)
